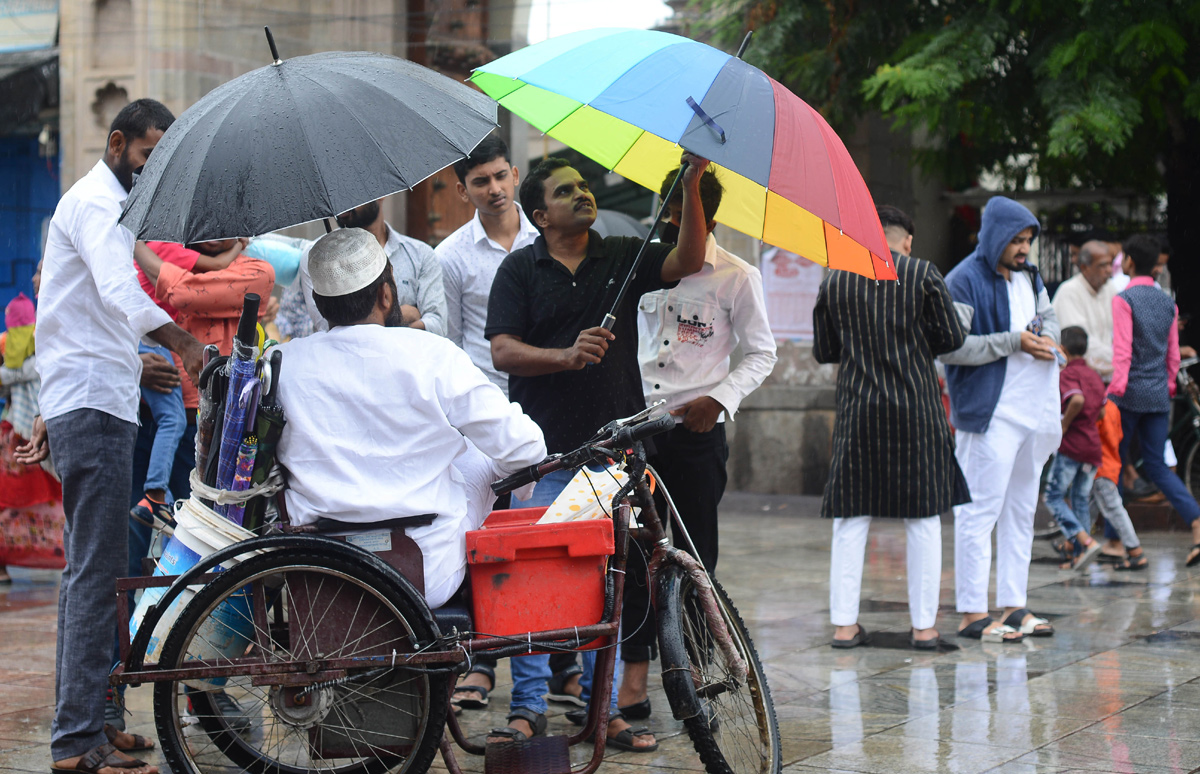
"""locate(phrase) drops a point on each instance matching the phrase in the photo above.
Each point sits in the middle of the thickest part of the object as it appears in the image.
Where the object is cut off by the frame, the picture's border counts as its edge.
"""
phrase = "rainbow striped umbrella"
(629, 99)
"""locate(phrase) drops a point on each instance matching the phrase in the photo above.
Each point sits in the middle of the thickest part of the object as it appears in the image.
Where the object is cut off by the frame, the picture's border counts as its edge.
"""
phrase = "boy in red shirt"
(1074, 467)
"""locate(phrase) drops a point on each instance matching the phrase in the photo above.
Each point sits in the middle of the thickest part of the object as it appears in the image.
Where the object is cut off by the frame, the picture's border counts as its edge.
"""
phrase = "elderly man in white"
(1086, 300)
(386, 422)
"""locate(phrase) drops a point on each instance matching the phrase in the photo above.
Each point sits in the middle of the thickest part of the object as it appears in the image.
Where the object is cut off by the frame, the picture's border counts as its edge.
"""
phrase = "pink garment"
(1123, 343)
(19, 312)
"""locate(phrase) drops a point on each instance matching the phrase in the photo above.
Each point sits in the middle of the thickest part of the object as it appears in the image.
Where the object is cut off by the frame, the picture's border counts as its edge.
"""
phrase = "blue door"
(29, 190)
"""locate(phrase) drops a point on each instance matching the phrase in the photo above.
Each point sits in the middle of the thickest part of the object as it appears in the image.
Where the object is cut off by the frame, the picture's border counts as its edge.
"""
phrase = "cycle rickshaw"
(343, 668)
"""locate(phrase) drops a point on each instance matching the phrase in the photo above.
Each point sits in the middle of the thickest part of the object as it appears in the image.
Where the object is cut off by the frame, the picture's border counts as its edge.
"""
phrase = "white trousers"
(924, 553)
(1002, 467)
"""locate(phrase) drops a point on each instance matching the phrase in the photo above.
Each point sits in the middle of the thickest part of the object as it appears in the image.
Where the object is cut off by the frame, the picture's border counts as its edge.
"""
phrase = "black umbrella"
(303, 139)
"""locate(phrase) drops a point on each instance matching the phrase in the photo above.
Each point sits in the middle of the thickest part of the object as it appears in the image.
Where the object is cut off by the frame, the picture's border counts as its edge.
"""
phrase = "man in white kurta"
(1086, 300)
(386, 422)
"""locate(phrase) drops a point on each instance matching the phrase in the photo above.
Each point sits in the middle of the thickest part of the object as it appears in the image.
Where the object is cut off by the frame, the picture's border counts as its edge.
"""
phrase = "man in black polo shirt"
(570, 375)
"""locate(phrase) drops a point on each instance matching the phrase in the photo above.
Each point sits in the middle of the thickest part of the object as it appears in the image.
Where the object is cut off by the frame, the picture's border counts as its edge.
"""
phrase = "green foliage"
(1080, 92)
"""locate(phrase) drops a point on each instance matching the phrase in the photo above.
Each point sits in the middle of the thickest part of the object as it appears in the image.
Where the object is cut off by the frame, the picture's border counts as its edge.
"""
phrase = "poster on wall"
(790, 284)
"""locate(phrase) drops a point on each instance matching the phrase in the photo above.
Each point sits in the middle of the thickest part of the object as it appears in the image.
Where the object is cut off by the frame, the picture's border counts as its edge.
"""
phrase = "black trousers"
(692, 468)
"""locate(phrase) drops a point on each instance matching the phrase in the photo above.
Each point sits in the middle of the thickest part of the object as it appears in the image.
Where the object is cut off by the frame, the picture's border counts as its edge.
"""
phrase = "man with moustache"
(417, 272)
(92, 314)
(568, 373)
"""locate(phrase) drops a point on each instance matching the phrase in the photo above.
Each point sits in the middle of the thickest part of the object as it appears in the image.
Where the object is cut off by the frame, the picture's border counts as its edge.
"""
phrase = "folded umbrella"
(630, 99)
(239, 401)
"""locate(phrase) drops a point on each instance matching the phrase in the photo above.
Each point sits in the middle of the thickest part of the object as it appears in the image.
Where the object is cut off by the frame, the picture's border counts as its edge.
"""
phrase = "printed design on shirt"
(693, 331)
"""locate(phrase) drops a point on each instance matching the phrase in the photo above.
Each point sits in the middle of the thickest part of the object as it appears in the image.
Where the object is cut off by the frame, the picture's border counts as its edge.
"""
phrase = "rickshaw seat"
(455, 614)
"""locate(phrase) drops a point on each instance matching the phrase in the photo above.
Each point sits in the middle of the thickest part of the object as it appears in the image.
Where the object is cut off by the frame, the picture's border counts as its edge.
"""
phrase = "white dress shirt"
(91, 310)
(686, 334)
(418, 281)
(376, 423)
(1076, 303)
(469, 261)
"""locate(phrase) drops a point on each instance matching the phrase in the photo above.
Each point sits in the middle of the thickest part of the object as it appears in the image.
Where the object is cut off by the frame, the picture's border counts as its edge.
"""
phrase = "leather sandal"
(858, 639)
(509, 734)
(102, 757)
(639, 710)
(140, 743)
(975, 631)
(623, 740)
(1016, 620)
(462, 697)
(557, 687)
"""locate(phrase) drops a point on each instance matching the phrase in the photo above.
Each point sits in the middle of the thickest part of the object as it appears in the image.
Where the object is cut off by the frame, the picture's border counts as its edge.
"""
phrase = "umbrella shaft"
(610, 319)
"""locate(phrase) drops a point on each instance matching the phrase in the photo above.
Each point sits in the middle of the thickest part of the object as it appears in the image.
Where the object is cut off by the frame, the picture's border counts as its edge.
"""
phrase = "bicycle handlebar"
(621, 437)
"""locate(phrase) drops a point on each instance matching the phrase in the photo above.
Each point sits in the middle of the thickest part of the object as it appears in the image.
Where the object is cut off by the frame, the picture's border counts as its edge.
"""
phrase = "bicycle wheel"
(732, 723)
(367, 721)
(1191, 469)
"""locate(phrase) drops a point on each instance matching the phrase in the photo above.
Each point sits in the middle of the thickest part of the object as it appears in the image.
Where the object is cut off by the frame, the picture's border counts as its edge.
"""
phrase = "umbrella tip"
(271, 43)
(743, 47)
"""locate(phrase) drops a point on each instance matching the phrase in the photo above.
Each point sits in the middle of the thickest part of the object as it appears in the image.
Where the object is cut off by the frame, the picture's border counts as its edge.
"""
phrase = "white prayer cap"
(344, 261)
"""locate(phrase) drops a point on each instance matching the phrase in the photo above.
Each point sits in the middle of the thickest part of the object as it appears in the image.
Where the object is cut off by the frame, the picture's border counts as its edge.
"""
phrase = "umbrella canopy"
(629, 99)
(303, 139)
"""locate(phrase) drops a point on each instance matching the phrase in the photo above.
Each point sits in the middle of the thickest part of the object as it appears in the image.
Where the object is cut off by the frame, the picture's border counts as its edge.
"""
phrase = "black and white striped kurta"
(893, 454)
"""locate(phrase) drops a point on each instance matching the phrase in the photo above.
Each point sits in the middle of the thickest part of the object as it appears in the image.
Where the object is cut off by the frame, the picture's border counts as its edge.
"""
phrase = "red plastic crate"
(528, 577)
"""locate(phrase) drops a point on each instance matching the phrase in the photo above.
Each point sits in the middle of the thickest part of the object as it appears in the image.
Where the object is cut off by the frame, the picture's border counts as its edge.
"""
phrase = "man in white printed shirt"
(91, 315)
(685, 338)
(471, 255)
(385, 422)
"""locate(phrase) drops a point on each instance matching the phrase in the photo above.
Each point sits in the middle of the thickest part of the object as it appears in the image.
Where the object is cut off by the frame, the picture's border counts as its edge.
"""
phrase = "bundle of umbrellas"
(240, 420)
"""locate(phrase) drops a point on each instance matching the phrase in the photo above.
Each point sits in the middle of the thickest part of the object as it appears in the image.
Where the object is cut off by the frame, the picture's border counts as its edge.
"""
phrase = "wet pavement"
(1117, 689)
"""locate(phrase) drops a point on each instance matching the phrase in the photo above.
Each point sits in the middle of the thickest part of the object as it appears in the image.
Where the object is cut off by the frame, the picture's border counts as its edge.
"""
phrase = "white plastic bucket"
(227, 631)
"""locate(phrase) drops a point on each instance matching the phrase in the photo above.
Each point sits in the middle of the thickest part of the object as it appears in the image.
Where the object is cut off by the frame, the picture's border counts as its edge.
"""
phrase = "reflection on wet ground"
(1117, 689)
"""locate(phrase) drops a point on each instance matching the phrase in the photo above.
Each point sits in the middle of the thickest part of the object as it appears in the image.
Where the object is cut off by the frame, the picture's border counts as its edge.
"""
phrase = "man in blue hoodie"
(1003, 385)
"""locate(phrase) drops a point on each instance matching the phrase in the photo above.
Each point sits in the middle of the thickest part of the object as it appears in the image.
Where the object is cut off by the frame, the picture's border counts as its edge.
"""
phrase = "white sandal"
(1029, 627)
(997, 634)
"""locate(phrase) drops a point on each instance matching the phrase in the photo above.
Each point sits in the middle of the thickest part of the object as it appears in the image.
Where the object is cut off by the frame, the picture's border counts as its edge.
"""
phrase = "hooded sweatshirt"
(975, 372)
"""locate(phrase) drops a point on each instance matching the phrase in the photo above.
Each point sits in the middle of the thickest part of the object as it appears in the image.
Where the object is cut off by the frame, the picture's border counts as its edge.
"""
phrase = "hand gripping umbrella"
(630, 99)
(300, 140)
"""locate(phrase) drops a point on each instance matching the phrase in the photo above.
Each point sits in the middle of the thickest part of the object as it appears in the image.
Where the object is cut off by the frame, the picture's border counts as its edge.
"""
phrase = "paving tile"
(1119, 753)
(886, 755)
(993, 728)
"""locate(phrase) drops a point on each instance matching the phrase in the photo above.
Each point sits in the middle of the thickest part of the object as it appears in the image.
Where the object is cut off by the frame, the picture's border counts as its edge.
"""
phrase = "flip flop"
(853, 642)
(975, 631)
(140, 743)
(1029, 628)
(931, 644)
(102, 757)
(1107, 558)
(1089, 554)
(1195, 559)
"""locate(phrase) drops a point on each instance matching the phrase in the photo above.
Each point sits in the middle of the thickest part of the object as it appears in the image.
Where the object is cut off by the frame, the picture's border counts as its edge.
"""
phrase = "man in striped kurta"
(893, 455)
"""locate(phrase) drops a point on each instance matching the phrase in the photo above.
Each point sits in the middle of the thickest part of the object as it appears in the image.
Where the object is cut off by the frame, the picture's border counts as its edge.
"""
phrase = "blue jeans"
(167, 409)
(530, 673)
(1073, 479)
(1151, 430)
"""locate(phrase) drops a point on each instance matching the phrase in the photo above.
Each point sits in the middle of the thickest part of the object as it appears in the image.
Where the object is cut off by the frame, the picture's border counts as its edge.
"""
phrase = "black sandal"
(624, 739)
(140, 743)
(557, 687)
(858, 639)
(1192, 562)
(509, 734)
(1132, 563)
(465, 702)
(102, 757)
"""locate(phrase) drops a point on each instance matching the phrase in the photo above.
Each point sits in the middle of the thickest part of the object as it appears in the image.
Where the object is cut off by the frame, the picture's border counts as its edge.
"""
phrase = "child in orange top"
(1106, 500)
